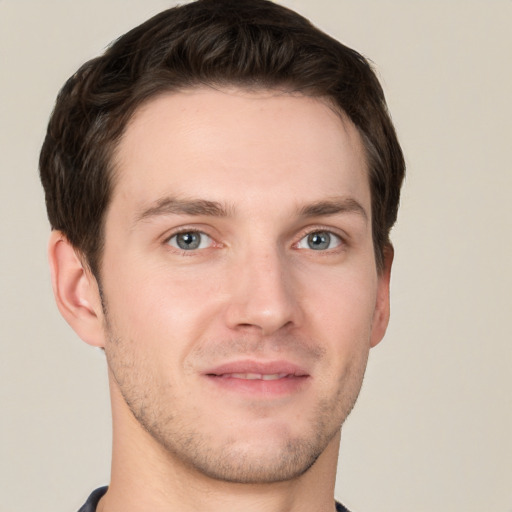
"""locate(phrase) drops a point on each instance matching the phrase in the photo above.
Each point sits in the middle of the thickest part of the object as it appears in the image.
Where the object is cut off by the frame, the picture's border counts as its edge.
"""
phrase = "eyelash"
(184, 230)
(341, 237)
(323, 236)
(342, 242)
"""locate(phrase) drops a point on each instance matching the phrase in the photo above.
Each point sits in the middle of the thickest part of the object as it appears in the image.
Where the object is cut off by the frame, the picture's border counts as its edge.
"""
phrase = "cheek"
(342, 304)
(156, 304)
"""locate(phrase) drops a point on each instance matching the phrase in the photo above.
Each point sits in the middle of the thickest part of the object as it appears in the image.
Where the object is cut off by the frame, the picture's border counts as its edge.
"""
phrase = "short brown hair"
(246, 43)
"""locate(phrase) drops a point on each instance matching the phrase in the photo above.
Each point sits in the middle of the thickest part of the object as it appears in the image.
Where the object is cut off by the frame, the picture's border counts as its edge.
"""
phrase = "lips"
(259, 378)
(255, 376)
(253, 370)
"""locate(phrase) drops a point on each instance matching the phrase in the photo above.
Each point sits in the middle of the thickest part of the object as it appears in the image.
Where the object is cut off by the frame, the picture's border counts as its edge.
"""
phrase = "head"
(252, 44)
(227, 175)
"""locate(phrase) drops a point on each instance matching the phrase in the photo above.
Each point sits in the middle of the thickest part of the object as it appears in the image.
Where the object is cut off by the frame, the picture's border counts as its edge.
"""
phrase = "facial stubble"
(227, 459)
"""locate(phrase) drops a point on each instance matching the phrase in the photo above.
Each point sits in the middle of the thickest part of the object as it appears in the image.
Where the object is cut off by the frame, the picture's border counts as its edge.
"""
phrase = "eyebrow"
(333, 207)
(175, 206)
(203, 207)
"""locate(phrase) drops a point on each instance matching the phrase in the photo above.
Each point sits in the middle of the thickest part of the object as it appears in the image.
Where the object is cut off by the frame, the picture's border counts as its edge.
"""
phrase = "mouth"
(263, 378)
(253, 376)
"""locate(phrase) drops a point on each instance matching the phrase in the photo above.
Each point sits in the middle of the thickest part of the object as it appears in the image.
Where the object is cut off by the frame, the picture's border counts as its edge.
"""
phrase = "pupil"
(319, 241)
(188, 241)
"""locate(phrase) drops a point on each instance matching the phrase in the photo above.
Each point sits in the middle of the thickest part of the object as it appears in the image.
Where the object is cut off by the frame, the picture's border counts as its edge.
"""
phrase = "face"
(240, 288)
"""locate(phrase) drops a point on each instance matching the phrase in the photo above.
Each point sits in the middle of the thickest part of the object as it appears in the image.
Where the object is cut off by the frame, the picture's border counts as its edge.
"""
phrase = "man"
(221, 184)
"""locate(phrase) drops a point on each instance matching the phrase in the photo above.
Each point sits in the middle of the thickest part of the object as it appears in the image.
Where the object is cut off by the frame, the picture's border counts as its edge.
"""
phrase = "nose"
(263, 294)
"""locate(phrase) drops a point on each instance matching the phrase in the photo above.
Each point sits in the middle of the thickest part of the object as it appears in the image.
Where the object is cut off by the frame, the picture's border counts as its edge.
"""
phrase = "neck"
(145, 476)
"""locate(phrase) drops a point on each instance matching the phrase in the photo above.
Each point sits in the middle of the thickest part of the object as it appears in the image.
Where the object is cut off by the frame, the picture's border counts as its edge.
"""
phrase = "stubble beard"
(185, 444)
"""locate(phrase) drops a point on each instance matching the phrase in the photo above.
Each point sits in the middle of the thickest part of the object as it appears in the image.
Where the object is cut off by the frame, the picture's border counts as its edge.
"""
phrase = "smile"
(255, 376)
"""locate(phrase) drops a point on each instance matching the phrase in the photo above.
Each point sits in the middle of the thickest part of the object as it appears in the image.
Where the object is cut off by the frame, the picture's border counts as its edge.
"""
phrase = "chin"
(248, 456)
(257, 466)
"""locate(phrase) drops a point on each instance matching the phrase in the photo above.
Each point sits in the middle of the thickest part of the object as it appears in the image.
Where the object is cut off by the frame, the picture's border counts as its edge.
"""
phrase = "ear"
(76, 290)
(381, 313)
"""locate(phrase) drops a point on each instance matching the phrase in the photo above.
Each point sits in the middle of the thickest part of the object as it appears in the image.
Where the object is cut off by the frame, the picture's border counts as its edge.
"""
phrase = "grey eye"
(320, 241)
(190, 240)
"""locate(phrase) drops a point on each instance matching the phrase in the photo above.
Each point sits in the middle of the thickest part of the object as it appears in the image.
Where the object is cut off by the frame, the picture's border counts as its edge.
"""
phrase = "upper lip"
(258, 367)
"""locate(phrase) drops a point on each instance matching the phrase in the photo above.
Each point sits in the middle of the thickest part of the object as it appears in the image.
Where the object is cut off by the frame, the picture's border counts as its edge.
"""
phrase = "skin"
(261, 180)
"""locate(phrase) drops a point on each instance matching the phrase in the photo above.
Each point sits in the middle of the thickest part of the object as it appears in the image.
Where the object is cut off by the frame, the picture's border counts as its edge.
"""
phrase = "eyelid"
(341, 236)
(336, 232)
(186, 228)
(189, 229)
(204, 239)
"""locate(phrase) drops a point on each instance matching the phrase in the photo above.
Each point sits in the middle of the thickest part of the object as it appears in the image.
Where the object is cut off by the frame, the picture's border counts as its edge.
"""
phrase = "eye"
(320, 241)
(190, 240)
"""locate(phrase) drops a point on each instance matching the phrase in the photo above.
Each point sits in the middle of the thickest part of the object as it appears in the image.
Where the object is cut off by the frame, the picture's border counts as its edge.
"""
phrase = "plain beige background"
(433, 427)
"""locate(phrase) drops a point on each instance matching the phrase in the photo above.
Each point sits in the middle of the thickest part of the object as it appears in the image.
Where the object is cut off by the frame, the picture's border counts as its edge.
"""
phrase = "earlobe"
(382, 309)
(76, 290)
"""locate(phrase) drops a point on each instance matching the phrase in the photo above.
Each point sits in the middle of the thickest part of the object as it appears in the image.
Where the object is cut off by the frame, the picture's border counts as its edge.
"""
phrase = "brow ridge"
(333, 207)
(176, 206)
(203, 207)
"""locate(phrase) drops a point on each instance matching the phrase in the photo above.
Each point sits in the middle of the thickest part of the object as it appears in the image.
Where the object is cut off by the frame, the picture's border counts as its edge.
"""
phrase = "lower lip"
(277, 387)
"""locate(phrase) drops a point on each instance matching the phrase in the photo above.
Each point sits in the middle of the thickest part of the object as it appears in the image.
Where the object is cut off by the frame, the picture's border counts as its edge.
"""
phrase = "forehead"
(240, 147)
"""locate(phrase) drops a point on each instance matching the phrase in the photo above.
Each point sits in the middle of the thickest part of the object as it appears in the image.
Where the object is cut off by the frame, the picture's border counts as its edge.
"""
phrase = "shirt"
(94, 498)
